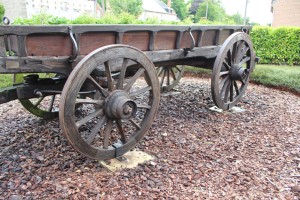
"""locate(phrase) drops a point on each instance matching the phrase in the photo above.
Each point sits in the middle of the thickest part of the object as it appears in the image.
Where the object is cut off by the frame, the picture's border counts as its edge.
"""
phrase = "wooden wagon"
(104, 81)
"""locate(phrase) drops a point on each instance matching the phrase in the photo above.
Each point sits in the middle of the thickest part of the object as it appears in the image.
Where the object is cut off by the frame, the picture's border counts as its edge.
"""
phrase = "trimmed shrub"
(277, 45)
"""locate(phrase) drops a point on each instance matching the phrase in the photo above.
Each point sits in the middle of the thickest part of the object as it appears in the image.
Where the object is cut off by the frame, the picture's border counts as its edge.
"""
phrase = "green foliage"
(41, 19)
(194, 6)
(133, 7)
(277, 45)
(84, 19)
(215, 11)
(180, 7)
(2, 11)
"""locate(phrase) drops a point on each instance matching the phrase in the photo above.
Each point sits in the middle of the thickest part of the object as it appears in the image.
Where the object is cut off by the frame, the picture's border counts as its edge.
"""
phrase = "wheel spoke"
(229, 57)
(141, 91)
(223, 81)
(107, 133)
(160, 70)
(234, 52)
(231, 91)
(226, 90)
(236, 88)
(122, 74)
(103, 92)
(120, 130)
(224, 73)
(51, 103)
(110, 80)
(95, 130)
(163, 78)
(89, 117)
(178, 68)
(173, 74)
(135, 124)
(89, 101)
(133, 79)
(36, 104)
(239, 51)
(242, 53)
(148, 107)
(226, 65)
(168, 76)
(246, 59)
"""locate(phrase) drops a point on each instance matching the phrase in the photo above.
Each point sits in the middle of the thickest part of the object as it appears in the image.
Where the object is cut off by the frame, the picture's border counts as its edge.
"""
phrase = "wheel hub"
(119, 105)
(237, 72)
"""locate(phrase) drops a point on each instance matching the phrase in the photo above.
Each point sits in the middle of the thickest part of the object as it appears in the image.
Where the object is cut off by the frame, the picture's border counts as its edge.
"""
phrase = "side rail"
(59, 48)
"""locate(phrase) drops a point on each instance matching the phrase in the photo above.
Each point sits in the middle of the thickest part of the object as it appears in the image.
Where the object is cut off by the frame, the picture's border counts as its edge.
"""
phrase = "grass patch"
(278, 76)
(284, 77)
(6, 80)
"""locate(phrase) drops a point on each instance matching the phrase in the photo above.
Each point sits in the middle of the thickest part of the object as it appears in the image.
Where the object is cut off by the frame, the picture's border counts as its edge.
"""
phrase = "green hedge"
(277, 45)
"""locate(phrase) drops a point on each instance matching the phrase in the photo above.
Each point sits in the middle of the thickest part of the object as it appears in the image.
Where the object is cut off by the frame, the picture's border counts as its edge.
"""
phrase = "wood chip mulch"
(200, 154)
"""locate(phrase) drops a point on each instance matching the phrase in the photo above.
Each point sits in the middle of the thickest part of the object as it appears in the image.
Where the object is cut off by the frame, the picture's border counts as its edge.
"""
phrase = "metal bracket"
(6, 21)
(75, 45)
(193, 41)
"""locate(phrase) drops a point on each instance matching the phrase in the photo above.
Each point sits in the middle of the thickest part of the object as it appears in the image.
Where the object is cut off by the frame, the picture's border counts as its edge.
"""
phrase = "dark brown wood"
(209, 38)
(165, 40)
(138, 39)
(49, 45)
(92, 41)
(187, 40)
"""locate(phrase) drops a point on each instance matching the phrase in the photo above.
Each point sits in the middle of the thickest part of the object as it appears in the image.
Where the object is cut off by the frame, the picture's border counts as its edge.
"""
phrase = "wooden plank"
(152, 39)
(138, 39)
(224, 35)
(187, 40)
(2, 47)
(48, 45)
(91, 41)
(165, 40)
(209, 38)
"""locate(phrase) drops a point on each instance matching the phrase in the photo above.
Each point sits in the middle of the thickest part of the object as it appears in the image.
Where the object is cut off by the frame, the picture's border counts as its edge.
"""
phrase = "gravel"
(200, 154)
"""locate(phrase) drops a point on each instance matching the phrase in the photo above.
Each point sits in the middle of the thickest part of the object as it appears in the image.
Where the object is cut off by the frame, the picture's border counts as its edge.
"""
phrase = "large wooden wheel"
(122, 98)
(232, 68)
(45, 107)
(169, 76)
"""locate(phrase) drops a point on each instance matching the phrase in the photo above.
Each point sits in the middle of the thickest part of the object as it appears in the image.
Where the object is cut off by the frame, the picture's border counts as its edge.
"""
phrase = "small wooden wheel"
(232, 68)
(169, 76)
(43, 107)
(122, 98)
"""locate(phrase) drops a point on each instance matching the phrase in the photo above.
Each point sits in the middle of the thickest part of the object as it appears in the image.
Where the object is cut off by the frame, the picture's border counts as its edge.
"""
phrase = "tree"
(134, 7)
(194, 6)
(215, 11)
(180, 7)
(2, 11)
(237, 18)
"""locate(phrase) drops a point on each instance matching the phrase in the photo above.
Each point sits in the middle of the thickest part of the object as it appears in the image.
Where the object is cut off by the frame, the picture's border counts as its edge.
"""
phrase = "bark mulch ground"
(200, 154)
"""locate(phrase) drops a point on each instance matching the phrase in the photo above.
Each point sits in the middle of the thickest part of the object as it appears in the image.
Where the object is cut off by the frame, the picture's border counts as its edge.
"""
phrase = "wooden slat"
(187, 40)
(92, 41)
(138, 39)
(48, 45)
(165, 40)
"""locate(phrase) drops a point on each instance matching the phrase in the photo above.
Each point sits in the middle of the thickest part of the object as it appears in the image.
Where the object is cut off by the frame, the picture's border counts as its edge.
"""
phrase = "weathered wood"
(139, 39)
(91, 41)
(49, 45)
(165, 40)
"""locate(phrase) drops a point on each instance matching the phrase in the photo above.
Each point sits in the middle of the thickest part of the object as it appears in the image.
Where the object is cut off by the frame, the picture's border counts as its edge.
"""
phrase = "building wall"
(61, 8)
(160, 16)
(14, 8)
(286, 13)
